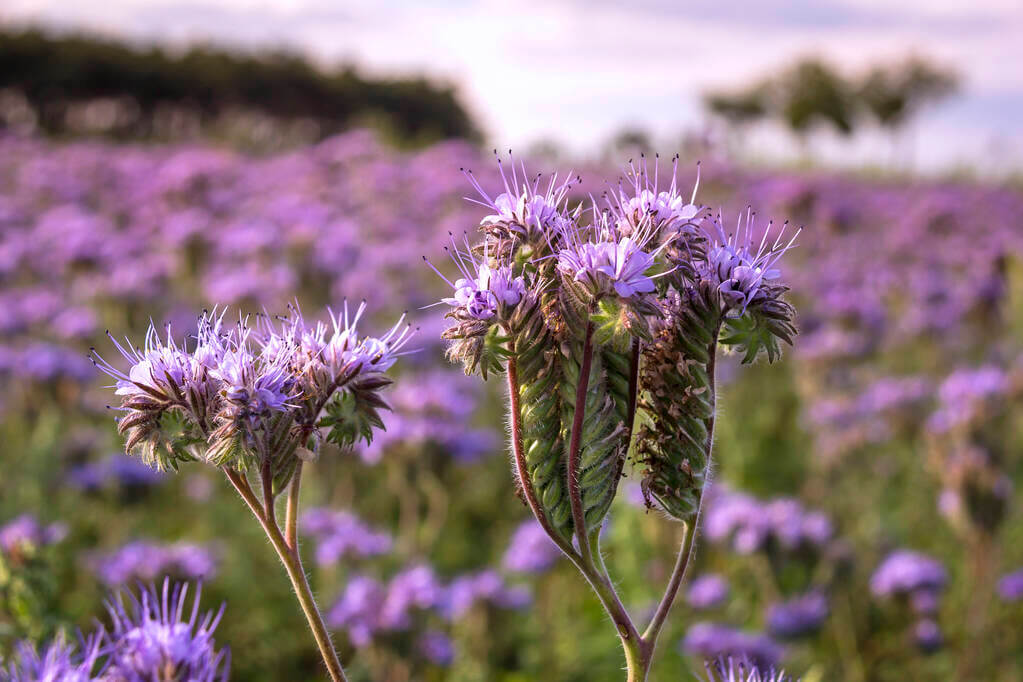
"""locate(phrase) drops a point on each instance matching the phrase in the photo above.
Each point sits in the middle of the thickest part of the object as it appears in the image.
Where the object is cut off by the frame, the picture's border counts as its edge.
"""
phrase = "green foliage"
(57, 73)
(353, 414)
(759, 329)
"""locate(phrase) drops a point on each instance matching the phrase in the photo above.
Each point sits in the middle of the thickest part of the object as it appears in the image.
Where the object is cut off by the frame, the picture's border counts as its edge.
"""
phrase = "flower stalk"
(607, 322)
(258, 400)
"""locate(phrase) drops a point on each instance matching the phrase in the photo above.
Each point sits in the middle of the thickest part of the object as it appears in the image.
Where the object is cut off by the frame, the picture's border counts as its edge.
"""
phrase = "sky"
(576, 71)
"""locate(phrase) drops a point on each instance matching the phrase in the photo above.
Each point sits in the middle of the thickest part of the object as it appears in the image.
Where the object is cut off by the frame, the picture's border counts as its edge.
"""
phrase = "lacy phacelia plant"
(257, 401)
(607, 323)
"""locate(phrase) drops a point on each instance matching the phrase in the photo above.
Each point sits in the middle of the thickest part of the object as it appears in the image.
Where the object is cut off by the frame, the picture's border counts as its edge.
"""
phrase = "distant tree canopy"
(58, 75)
(812, 92)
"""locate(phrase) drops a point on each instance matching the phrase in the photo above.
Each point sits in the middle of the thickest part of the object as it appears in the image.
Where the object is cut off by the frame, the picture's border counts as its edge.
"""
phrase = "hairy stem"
(293, 565)
(575, 444)
(291, 515)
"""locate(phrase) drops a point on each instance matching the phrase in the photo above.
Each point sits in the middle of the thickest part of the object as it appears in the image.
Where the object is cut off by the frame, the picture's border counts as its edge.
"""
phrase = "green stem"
(293, 565)
(291, 515)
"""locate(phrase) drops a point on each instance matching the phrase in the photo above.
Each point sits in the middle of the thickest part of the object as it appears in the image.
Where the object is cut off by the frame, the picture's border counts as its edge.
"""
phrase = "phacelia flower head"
(528, 209)
(741, 669)
(483, 290)
(741, 269)
(226, 400)
(156, 637)
(60, 661)
(639, 201)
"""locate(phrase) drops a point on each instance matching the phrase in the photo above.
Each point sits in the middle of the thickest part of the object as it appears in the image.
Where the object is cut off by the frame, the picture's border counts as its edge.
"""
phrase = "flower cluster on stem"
(605, 317)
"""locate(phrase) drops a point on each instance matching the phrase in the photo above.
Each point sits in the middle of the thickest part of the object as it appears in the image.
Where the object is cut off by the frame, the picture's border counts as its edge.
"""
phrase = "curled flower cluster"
(246, 394)
(153, 637)
(573, 301)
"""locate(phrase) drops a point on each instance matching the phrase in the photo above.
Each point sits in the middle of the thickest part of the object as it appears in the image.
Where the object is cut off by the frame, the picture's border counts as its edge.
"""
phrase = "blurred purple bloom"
(486, 586)
(732, 669)
(707, 592)
(1010, 586)
(927, 636)
(530, 550)
(799, 616)
(25, 532)
(712, 641)
(340, 533)
(358, 609)
(437, 647)
(905, 571)
(155, 637)
(146, 561)
(59, 661)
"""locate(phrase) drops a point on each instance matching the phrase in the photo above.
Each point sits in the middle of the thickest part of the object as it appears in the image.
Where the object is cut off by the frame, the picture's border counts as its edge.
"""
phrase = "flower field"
(861, 523)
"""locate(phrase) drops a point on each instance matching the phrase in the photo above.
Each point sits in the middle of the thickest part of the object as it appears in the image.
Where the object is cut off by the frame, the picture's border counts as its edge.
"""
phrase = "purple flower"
(482, 291)
(413, 588)
(340, 533)
(530, 550)
(904, 572)
(707, 592)
(59, 661)
(712, 641)
(156, 637)
(527, 209)
(437, 647)
(752, 524)
(466, 591)
(146, 561)
(605, 265)
(927, 636)
(358, 609)
(118, 468)
(25, 533)
(742, 670)
(665, 209)
(799, 616)
(1010, 586)
(737, 266)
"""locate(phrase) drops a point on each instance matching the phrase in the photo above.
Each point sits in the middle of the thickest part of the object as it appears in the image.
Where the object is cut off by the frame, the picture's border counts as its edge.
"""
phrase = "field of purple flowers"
(862, 523)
